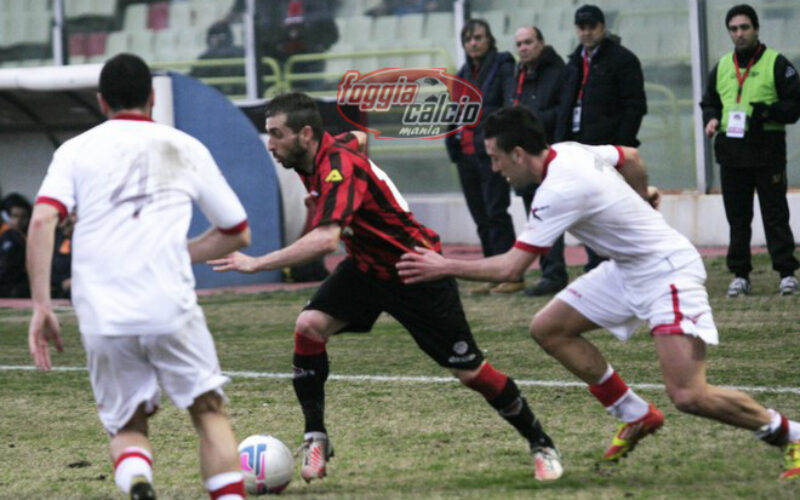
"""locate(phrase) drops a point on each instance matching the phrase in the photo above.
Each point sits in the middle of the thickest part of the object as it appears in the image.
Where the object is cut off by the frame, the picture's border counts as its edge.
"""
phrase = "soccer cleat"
(791, 457)
(629, 433)
(141, 489)
(788, 286)
(317, 450)
(739, 286)
(546, 463)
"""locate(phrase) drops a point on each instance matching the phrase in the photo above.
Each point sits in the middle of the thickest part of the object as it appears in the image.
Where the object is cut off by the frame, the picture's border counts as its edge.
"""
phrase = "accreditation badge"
(576, 118)
(736, 124)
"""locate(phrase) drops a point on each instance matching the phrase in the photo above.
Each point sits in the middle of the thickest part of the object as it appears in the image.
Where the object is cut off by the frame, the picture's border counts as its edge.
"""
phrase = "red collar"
(132, 116)
(551, 155)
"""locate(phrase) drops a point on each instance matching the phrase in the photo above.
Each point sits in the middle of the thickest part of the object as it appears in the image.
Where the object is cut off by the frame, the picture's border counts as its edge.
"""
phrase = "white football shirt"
(581, 192)
(132, 183)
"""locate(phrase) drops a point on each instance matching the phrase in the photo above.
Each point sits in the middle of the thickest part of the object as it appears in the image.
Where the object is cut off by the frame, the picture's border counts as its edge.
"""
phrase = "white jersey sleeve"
(215, 197)
(552, 213)
(612, 155)
(58, 187)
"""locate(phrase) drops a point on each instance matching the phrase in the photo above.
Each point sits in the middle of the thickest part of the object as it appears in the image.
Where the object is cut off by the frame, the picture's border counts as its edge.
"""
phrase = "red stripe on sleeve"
(621, 160)
(62, 210)
(238, 228)
(530, 248)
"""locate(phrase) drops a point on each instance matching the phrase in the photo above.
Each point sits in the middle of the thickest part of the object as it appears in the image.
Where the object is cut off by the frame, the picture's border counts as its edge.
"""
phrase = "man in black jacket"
(539, 86)
(608, 99)
(487, 193)
(762, 88)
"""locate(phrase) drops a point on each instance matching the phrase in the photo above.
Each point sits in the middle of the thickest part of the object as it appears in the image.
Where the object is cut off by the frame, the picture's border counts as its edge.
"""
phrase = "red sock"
(226, 486)
(489, 382)
(306, 346)
(610, 391)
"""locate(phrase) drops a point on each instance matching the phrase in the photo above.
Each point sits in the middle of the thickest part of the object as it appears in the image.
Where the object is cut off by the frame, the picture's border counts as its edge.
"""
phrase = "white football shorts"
(125, 371)
(674, 302)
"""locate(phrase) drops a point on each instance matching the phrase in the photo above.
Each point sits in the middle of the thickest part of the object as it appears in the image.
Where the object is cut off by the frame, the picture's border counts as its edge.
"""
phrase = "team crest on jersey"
(334, 176)
(535, 211)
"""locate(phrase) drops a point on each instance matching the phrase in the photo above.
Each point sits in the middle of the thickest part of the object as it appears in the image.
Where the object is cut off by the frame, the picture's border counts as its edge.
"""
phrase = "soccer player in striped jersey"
(654, 274)
(354, 201)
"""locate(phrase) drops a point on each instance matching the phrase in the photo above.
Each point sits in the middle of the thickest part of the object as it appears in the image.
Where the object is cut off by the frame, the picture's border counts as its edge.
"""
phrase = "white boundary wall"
(699, 217)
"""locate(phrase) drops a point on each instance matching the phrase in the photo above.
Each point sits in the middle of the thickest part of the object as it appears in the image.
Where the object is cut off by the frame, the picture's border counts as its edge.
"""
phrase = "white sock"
(221, 480)
(629, 408)
(775, 423)
(132, 462)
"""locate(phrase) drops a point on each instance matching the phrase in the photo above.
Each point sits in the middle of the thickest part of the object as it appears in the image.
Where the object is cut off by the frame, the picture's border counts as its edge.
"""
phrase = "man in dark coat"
(539, 86)
(608, 99)
(487, 193)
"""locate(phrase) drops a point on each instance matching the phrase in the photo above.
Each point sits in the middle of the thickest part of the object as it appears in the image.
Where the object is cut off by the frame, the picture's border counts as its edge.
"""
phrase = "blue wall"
(206, 114)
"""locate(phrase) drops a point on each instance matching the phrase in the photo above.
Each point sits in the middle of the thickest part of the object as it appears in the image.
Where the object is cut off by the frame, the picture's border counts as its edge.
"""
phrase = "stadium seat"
(439, 26)
(78, 8)
(164, 43)
(496, 20)
(158, 16)
(385, 29)
(32, 6)
(96, 44)
(118, 41)
(135, 18)
(180, 15)
(141, 43)
(192, 42)
(356, 30)
(410, 26)
(36, 27)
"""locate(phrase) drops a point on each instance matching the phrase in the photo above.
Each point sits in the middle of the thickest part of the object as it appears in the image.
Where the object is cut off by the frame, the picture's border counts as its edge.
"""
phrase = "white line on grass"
(427, 380)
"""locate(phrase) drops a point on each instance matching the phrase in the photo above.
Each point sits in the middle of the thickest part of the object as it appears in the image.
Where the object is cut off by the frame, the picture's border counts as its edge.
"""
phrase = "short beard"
(295, 157)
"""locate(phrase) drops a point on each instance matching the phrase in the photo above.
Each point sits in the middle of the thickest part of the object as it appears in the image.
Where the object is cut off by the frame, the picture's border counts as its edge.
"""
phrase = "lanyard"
(586, 66)
(522, 72)
(739, 76)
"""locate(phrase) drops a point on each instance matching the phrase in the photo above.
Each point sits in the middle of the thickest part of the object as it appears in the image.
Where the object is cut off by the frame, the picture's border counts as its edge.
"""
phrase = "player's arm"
(427, 265)
(318, 242)
(216, 243)
(44, 325)
(634, 172)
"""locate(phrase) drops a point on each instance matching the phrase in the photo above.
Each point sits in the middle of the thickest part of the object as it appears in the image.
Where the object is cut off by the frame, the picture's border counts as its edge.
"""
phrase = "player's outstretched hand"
(653, 196)
(43, 328)
(237, 261)
(425, 265)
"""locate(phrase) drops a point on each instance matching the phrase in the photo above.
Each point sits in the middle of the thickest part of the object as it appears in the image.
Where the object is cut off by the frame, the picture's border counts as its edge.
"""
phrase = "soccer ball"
(267, 464)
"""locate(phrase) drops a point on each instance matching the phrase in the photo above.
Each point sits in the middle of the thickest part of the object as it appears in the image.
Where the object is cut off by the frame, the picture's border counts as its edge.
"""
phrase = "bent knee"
(687, 399)
(310, 325)
(543, 331)
(209, 402)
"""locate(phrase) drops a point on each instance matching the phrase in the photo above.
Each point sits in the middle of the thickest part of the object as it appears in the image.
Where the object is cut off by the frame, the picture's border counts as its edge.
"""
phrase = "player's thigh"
(599, 298)
(346, 300)
(122, 379)
(432, 312)
(186, 361)
(683, 363)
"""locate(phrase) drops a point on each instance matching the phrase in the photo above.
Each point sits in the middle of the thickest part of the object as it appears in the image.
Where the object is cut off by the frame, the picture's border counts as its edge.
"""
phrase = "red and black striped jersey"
(350, 190)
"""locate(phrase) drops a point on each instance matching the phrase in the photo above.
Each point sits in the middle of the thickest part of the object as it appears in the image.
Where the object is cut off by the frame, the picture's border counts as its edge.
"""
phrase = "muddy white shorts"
(671, 301)
(126, 371)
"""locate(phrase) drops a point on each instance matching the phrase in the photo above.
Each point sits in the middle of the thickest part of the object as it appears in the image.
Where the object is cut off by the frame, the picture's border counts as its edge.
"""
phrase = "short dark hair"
(16, 200)
(125, 82)
(538, 33)
(469, 27)
(742, 10)
(517, 126)
(300, 109)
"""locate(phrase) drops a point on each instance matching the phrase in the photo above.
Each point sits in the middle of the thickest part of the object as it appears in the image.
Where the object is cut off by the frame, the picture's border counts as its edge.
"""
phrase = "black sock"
(309, 376)
(514, 408)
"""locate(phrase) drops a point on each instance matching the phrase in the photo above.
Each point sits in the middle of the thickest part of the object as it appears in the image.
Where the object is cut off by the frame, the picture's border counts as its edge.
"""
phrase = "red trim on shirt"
(530, 248)
(621, 160)
(673, 328)
(62, 210)
(132, 116)
(551, 155)
(238, 228)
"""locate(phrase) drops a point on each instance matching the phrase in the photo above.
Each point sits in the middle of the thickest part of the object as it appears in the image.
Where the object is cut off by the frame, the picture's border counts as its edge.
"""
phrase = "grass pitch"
(412, 438)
